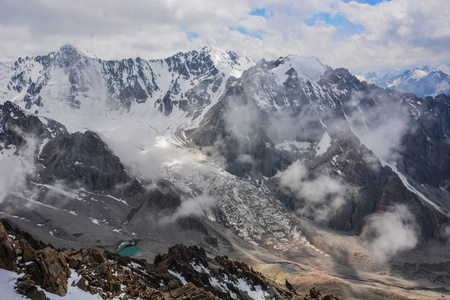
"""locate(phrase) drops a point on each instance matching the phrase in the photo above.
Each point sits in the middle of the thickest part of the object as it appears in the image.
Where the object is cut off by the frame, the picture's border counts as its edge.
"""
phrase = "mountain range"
(302, 171)
(422, 82)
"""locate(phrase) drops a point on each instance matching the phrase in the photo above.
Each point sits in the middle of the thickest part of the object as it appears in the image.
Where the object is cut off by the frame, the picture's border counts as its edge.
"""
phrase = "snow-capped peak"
(444, 69)
(68, 49)
(308, 66)
(419, 73)
(424, 81)
(228, 61)
(305, 66)
(68, 55)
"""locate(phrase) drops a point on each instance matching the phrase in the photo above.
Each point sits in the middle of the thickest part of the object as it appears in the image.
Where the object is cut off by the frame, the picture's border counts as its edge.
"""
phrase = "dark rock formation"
(7, 252)
(426, 148)
(53, 271)
(316, 294)
(341, 106)
(17, 125)
(83, 159)
(110, 275)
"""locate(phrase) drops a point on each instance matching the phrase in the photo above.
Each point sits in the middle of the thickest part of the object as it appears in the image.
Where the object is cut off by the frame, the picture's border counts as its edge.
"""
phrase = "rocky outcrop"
(44, 267)
(53, 271)
(316, 294)
(18, 127)
(182, 273)
(7, 253)
(195, 267)
(83, 158)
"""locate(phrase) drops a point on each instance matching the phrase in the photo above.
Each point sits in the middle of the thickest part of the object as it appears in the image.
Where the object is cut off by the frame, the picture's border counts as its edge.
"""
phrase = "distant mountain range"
(423, 81)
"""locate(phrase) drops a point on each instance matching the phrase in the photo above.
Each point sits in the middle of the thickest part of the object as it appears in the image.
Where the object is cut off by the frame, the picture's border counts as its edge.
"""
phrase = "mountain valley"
(299, 170)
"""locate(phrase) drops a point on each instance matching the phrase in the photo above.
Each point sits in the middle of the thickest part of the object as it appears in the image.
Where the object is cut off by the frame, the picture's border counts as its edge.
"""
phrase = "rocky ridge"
(182, 273)
(288, 121)
(183, 84)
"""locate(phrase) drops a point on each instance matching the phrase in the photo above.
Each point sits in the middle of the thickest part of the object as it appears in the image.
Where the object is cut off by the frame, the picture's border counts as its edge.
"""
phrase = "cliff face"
(355, 133)
(426, 153)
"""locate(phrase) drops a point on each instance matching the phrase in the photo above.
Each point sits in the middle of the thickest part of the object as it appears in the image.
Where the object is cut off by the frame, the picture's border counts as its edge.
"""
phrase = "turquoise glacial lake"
(129, 250)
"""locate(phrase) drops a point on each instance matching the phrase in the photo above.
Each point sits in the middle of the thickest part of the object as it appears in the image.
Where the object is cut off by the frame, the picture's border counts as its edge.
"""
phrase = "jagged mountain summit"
(181, 85)
(422, 82)
(301, 170)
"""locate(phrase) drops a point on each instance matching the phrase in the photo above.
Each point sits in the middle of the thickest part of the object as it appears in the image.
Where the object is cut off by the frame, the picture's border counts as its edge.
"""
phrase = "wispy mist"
(141, 149)
(285, 126)
(195, 206)
(391, 232)
(15, 165)
(322, 195)
(380, 126)
(242, 121)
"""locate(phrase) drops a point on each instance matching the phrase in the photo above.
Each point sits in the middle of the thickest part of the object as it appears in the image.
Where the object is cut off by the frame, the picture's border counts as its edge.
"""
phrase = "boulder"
(7, 252)
(28, 253)
(55, 271)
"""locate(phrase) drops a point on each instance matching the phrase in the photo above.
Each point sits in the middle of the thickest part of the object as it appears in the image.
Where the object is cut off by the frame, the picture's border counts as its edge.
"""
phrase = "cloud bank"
(363, 37)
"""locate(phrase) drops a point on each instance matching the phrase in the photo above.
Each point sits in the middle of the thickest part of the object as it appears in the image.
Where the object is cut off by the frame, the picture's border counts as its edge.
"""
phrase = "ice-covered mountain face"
(68, 82)
(211, 149)
(422, 82)
(317, 135)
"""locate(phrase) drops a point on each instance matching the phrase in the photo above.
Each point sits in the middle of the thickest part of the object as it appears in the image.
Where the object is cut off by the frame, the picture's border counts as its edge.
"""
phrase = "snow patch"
(414, 190)
(7, 282)
(221, 285)
(324, 144)
(256, 292)
(179, 276)
(293, 146)
(200, 268)
(307, 67)
(418, 74)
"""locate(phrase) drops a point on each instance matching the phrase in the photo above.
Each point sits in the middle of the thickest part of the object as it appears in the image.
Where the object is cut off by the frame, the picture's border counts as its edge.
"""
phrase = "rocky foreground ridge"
(182, 273)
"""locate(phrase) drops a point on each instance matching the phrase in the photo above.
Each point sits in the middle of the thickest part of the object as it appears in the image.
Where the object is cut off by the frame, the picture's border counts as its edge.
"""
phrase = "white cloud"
(242, 121)
(15, 165)
(380, 132)
(391, 232)
(402, 32)
(195, 206)
(396, 33)
(322, 195)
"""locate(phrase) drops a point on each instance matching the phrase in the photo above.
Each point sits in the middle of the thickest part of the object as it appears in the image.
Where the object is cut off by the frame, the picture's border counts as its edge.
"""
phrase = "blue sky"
(339, 21)
(358, 35)
(371, 2)
(344, 26)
